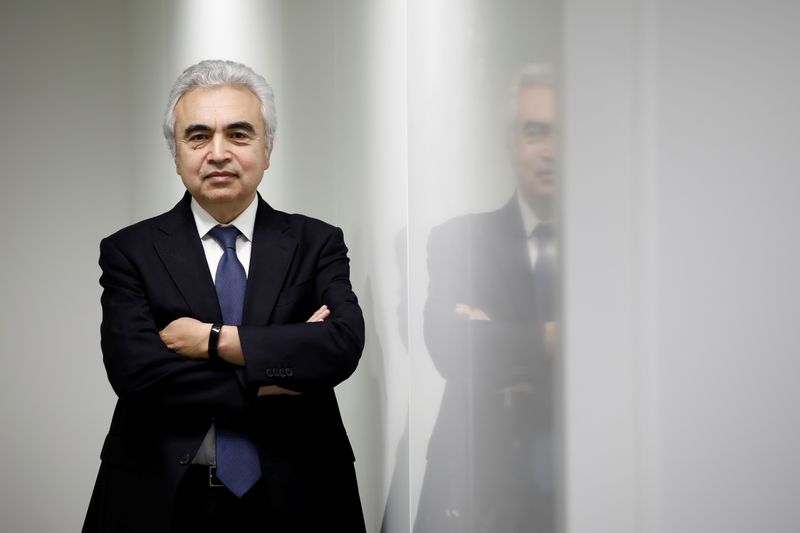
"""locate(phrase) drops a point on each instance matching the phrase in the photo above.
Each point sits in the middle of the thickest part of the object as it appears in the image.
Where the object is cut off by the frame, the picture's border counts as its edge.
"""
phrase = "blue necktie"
(238, 466)
(544, 273)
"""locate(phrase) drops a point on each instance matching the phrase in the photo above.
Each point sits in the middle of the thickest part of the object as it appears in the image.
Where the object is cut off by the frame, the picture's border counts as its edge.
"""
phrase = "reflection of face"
(221, 154)
(532, 143)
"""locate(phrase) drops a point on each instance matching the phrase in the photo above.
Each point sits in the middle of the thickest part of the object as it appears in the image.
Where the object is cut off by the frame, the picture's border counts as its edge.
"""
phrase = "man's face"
(221, 152)
(532, 143)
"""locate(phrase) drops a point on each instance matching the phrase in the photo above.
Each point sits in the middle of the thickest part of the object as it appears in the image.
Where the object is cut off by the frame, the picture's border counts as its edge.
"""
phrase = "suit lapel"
(178, 245)
(512, 244)
(272, 253)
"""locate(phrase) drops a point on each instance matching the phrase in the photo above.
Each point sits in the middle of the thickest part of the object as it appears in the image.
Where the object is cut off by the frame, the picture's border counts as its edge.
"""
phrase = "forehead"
(536, 102)
(217, 106)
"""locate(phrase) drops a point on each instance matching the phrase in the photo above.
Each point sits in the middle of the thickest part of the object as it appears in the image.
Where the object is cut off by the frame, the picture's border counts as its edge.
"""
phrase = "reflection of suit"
(488, 449)
(156, 271)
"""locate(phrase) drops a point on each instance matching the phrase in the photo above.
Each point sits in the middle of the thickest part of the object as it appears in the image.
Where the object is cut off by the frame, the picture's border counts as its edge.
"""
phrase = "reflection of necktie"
(238, 466)
(544, 273)
(541, 448)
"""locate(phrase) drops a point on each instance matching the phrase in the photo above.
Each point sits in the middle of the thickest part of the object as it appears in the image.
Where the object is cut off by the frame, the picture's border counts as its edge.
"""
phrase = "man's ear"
(267, 154)
(177, 160)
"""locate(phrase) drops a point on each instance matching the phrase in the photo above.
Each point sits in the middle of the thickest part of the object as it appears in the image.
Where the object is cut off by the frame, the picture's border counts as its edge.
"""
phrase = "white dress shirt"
(530, 221)
(245, 223)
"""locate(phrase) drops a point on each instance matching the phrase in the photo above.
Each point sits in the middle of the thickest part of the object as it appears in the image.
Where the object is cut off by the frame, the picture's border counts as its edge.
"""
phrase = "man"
(490, 329)
(226, 325)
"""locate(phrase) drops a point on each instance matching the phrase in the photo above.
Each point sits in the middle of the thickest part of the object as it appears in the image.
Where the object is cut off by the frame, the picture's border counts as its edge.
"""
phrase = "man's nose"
(548, 147)
(218, 149)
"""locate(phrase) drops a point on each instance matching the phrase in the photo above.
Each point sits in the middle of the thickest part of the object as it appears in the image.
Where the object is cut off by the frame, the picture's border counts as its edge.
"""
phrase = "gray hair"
(528, 75)
(218, 73)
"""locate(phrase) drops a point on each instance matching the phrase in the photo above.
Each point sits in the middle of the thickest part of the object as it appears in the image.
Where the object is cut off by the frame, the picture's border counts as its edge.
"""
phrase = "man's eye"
(197, 137)
(239, 136)
(534, 134)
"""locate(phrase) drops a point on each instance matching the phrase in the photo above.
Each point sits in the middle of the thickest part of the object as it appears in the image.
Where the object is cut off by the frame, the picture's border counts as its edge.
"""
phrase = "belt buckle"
(213, 480)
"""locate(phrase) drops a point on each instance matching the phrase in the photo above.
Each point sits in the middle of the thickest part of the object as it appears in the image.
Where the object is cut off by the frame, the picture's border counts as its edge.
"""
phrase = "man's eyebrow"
(242, 125)
(194, 128)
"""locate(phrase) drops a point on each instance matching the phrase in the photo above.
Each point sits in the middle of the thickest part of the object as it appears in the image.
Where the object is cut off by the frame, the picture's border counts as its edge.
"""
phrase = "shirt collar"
(529, 218)
(245, 222)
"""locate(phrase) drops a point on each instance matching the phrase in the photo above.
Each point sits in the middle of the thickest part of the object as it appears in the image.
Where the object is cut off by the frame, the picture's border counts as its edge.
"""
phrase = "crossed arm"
(142, 368)
(465, 311)
(470, 331)
(189, 337)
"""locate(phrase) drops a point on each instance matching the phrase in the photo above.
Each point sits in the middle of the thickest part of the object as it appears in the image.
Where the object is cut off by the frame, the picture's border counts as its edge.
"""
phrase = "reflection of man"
(490, 329)
(226, 325)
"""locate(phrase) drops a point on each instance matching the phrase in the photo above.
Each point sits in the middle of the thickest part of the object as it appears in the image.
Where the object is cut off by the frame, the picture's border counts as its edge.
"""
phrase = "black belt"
(208, 473)
(213, 480)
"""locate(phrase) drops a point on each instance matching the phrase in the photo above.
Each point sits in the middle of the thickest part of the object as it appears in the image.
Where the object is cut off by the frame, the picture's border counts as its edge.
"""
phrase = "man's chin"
(221, 194)
(539, 191)
(545, 192)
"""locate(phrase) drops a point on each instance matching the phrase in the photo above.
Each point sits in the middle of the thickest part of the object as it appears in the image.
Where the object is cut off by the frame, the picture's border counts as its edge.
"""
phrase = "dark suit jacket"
(154, 272)
(498, 389)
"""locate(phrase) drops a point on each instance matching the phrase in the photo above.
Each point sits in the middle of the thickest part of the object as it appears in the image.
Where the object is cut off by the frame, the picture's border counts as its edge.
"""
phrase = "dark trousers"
(200, 508)
(287, 499)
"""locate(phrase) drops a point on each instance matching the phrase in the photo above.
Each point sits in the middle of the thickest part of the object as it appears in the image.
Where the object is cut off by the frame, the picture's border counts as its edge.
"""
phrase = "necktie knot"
(225, 235)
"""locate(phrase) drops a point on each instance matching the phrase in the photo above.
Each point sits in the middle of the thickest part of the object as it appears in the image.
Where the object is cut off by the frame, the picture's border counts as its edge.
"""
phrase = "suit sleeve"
(311, 356)
(139, 365)
(492, 353)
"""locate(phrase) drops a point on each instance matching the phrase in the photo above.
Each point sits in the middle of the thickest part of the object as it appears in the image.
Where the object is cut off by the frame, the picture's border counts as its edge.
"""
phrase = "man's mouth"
(221, 174)
(548, 174)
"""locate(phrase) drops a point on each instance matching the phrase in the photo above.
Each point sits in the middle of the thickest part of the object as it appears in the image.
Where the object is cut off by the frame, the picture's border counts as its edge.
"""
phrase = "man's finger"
(478, 314)
(275, 390)
(320, 314)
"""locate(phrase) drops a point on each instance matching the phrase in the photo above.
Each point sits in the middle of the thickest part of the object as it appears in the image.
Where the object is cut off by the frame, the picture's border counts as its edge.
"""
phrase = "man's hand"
(320, 314)
(471, 313)
(187, 336)
(272, 390)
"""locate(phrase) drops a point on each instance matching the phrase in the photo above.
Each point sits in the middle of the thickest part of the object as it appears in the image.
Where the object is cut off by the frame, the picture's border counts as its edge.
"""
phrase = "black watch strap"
(213, 342)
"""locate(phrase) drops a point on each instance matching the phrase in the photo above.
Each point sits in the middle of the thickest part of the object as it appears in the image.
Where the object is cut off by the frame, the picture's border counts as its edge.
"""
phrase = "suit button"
(289, 373)
(282, 373)
(269, 373)
(185, 459)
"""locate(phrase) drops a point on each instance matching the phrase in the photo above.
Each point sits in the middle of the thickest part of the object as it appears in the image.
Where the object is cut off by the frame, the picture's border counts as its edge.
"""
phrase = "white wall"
(65, 184)
(680, 244)
(727, 188)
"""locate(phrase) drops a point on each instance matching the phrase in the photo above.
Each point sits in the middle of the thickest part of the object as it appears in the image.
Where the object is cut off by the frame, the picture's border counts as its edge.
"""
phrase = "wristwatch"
(213, 341)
